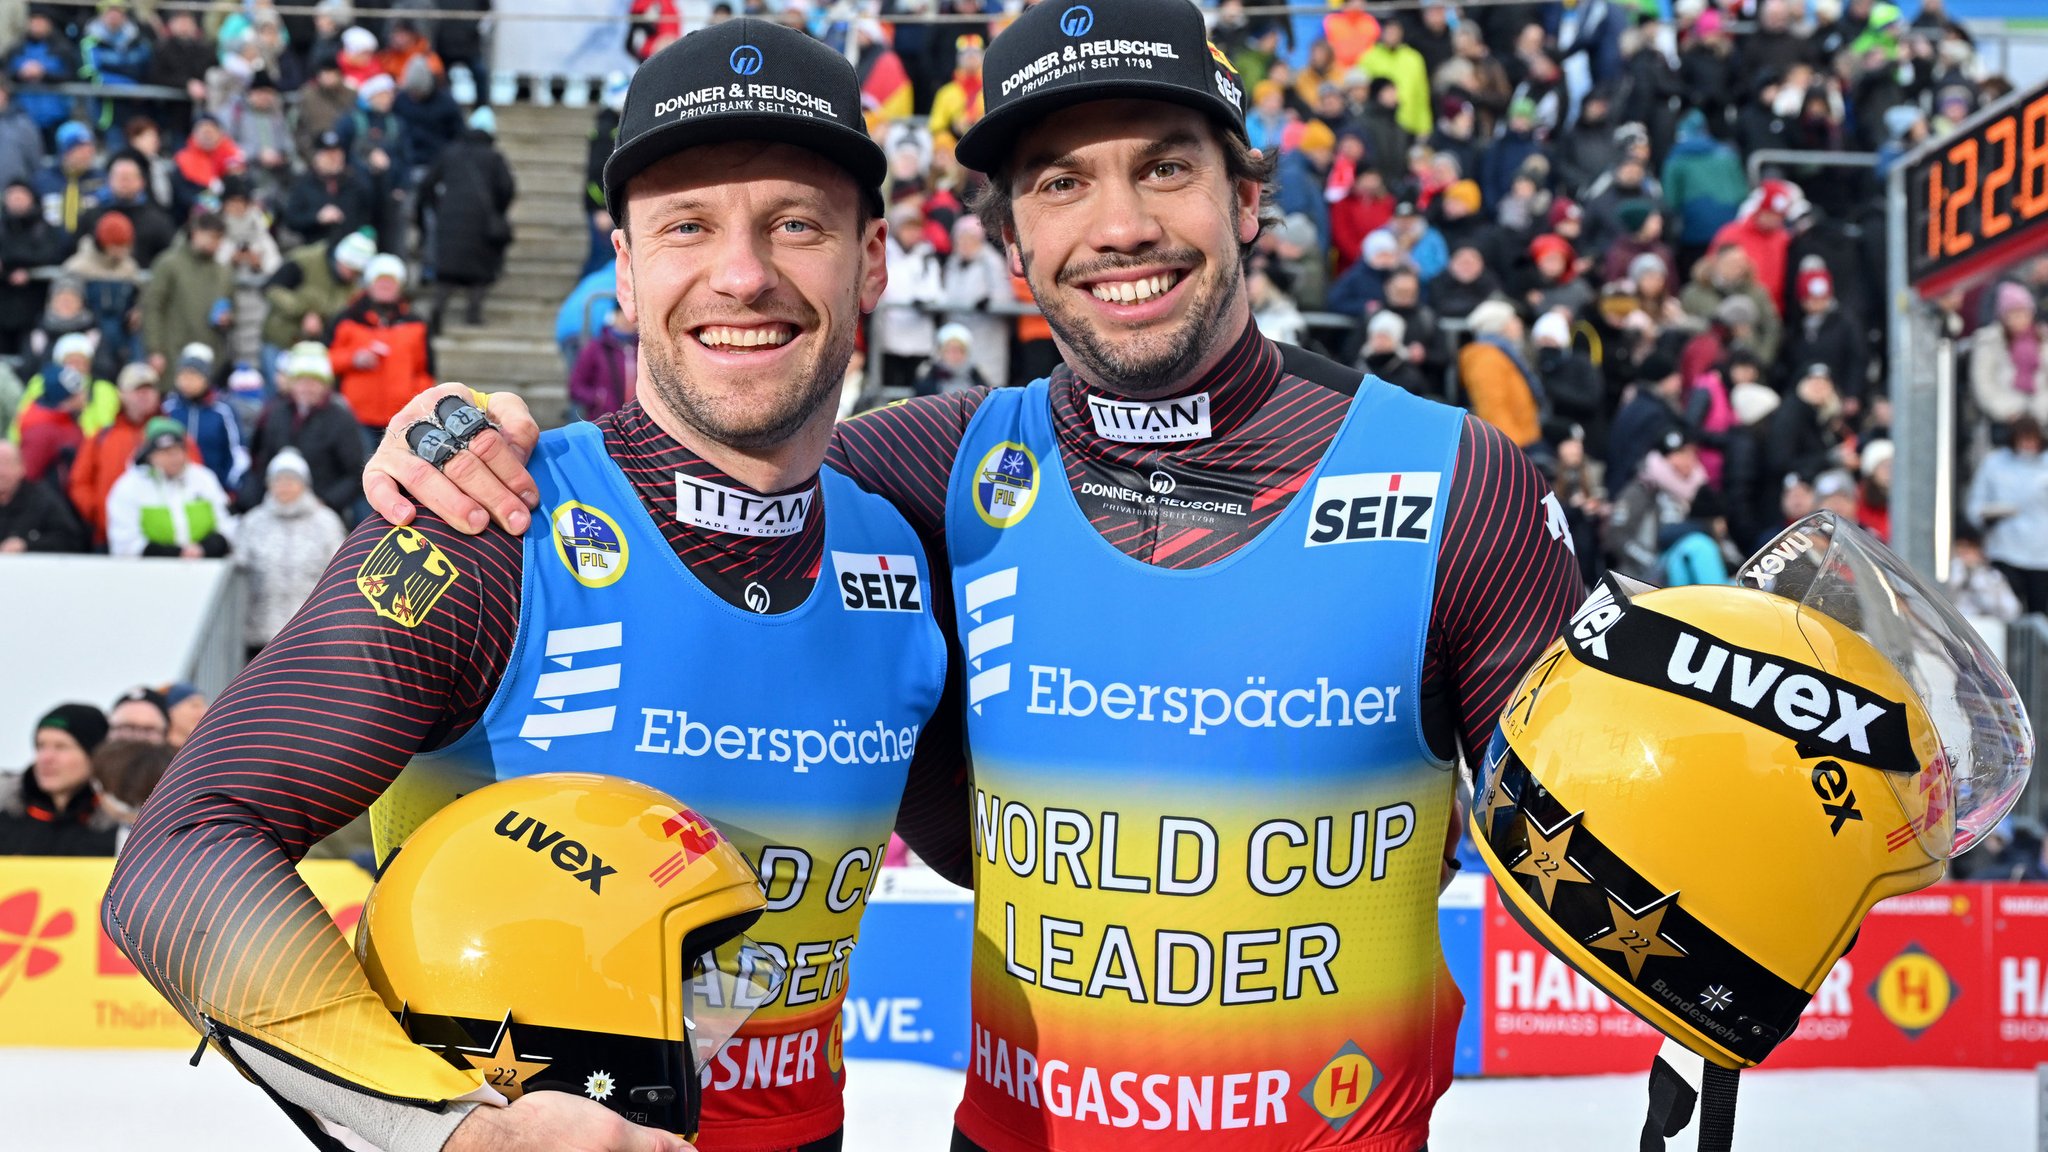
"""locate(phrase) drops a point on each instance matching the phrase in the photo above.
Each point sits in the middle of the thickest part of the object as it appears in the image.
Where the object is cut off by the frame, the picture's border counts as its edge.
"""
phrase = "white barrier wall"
(87, 628)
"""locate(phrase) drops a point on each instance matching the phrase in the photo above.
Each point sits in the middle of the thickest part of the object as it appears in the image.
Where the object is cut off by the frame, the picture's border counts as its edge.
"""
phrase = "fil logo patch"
(871, 583)
(1175, 421)
(577, 673)
(590, 544)
(1342, 1086)
(1005, 484)
(1370, 506)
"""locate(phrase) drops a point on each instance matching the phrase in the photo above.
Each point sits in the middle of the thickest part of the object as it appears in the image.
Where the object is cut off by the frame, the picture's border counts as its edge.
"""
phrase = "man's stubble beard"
(817, 384)
(1166, 360)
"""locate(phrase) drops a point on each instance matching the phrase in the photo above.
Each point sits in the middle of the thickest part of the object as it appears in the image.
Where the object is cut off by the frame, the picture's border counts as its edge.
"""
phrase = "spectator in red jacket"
(381, 354)
(1759, 227)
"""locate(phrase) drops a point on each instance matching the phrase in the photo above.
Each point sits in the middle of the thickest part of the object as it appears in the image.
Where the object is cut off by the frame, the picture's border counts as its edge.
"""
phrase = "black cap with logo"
(1062, 53)
(745, 79)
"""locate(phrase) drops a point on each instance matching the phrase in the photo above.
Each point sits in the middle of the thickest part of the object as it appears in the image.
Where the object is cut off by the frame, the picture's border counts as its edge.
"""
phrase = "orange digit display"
(1990, 221)
(1977, 200)
(1964, 156)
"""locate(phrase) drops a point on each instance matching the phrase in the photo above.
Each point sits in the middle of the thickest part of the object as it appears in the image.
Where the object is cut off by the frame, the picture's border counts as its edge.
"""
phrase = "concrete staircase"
(515, 349)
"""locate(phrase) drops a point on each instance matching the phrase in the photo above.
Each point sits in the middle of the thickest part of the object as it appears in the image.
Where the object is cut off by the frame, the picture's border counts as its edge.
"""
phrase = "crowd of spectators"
(212, 231)
(1590, 223)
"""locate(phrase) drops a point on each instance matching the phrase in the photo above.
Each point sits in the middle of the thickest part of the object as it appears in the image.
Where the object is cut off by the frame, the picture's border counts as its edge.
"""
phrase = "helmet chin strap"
(1678, 1080)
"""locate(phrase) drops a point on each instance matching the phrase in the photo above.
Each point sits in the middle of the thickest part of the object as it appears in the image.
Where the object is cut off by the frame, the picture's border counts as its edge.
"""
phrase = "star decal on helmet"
(1635, 933)
(598, 1085)
(1547, 861)
(503, 1066)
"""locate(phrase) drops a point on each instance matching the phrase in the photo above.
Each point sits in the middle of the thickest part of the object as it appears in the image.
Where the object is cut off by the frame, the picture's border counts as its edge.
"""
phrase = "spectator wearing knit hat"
(1386, 355)
(26, 241)
(62, 406)
(1820, 331)
(33, 516)
(1363, 286)
(128, 192)
(381, 352)
(1303, 174)
(182, 303)
(1641, 232)
(1577, 393)
(305, 417)
(2009, 359)
(53, 808)
(104, 457)
(283, 546)
(166, 505)
(195, 401)
(105, 265)
(332, 198)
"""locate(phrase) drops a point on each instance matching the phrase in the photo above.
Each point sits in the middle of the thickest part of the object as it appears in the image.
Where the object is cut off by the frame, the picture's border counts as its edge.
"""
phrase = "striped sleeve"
(389, 656)
(1506, 582)
(904, 453)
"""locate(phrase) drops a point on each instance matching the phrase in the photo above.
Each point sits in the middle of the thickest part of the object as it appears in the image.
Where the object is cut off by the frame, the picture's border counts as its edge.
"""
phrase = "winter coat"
(306, 283)
(350, 191)
(1300, 189)
(1797, 441)
(60, 66)
(403, 370)
(102, 460)
(320, 109)
(363, 132)
(213, 424)
(1766, 253)
(1577, 395)
(177, 63)
(1995, 385)
(30, 825)
(1499, 392)
(1386, 143)
(151, 514)
(68, 198)
(431, 125)
(26, 242)
(253, 131)
(1456, 300)
(1752, 493)
(470, 191)
(1410, 74)
(606, 369)
(1503, 159)
(2018, 485)
(21, 146)
(327, 436)
(1359, 288)
(177, 303)
(966, 288)
(1701, 297)
(41, 518)
(1638, 430)
(1703, 182)
(1829, 338)
(1396, 369)
(284, 549)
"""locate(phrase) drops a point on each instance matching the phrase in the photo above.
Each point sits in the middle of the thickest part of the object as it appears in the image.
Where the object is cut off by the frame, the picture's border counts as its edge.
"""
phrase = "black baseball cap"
(745, 79)
(1062, 53)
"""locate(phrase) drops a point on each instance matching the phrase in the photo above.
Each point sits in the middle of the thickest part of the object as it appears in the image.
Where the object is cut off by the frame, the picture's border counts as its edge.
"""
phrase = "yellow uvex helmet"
(1697, 793)
(571, 932)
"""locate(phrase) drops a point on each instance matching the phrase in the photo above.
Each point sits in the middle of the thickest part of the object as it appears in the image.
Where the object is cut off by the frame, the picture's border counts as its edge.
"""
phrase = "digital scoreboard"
(1977, 201)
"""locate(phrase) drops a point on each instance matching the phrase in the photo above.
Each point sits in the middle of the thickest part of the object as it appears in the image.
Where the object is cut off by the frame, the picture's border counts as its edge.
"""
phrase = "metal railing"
(217, 652)
(2026, 659)
(1795, 158)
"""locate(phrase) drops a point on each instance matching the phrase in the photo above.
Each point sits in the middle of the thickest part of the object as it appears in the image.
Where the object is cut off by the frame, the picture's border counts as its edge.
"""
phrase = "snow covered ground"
(81, 1101)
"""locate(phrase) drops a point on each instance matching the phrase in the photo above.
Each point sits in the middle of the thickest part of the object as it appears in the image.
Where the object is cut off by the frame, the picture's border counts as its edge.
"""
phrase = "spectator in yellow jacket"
(958, 105)
(1397, 60)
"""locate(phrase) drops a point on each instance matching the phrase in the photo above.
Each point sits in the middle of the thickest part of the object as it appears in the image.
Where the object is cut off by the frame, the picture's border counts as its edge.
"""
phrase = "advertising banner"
(63, 984)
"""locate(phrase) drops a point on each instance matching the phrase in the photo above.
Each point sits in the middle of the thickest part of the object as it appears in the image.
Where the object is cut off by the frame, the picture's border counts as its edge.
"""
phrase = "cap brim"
(853, 151)
(987, 145)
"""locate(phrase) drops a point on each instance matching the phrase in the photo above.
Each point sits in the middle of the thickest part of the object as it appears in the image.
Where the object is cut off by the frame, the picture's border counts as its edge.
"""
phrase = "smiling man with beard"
(1227, 615)
(709, 610)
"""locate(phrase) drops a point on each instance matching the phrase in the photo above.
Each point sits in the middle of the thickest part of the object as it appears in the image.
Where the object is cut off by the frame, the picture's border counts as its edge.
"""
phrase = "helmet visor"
(1834, 568)
(726, 985)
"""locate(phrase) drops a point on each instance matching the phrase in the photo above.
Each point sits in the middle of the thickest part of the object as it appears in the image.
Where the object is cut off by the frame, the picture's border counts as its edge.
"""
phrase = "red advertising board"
(1955, 976)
